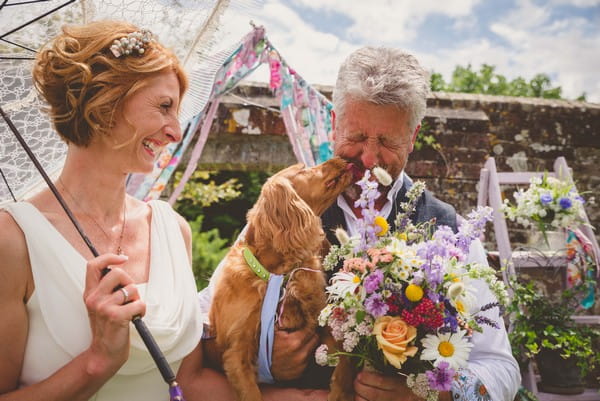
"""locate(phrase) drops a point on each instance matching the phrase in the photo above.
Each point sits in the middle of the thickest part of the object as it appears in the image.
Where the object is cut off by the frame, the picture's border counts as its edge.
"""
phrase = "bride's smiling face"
(147, 123)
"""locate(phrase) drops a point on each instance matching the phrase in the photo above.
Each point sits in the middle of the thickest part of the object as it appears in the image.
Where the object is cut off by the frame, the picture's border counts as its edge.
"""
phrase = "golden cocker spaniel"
(285, 235)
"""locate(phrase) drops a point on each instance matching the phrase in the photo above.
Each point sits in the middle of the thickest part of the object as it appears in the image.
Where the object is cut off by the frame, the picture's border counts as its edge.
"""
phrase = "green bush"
(208, 248)
(201, 191)
(216, 202)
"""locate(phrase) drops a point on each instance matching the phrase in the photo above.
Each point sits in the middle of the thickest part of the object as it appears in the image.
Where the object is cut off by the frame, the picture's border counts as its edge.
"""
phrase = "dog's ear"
(282, 218)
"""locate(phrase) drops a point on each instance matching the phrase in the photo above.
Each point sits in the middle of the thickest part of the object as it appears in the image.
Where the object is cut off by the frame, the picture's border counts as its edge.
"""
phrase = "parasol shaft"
(8, 186)
(155, 352)
(52, 187)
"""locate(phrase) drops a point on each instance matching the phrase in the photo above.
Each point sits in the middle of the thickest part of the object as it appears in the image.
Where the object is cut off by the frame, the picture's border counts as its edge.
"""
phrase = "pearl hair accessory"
(135, 41)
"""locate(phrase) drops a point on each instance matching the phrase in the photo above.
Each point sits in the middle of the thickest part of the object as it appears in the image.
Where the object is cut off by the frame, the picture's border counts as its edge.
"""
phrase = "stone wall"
(522, 134)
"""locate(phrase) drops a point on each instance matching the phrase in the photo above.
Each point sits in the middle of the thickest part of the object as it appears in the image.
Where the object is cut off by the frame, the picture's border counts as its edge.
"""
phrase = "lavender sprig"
(490, 306)
(487, 321)
(473, 227)
(409, 207)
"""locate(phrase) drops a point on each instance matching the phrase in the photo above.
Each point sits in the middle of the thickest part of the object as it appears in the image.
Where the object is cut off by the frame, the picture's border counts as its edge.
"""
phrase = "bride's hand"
(110, 312)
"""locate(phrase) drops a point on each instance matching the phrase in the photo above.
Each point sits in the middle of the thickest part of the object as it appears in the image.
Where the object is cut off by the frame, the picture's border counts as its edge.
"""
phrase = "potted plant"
(542, 328)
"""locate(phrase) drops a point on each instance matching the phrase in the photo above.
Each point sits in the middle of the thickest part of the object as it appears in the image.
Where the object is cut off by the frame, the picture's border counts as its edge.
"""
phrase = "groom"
(379, 101)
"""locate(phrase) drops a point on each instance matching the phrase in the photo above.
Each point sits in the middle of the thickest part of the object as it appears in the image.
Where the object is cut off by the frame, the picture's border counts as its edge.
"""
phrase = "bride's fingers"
(115, 279)
(95, 266)
(135, 308)
(126, 294)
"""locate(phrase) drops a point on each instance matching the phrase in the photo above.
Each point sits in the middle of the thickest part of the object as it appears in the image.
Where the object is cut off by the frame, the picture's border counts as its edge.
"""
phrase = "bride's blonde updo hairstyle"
(85, 84)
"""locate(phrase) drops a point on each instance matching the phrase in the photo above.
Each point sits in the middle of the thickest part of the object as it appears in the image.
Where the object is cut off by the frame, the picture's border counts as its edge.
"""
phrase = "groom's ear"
(414, 138)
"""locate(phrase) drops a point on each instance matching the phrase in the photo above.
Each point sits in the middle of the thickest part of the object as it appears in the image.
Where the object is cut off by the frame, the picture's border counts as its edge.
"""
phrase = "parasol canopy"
(197, 30)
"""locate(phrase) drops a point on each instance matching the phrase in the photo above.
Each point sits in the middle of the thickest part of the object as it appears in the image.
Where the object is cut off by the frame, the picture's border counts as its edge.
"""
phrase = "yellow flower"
(446, 348)
(403, 237)
(393, 336)
(460, 307)
(413, 292)
(382, 224)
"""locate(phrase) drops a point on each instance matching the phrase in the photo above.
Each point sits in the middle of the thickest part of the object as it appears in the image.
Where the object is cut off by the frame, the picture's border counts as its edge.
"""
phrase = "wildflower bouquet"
(549, 203)
(405, 301)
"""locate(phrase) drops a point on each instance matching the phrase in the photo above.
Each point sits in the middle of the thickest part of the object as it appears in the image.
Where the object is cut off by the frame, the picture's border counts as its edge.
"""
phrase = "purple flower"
(433, 270)
(418, 277)
(441, 378)
(444, 234)
(450, 318)
(366, 202)
(545, 199)
(450, 324)
(375, 305)
(565, 203)
(471, 229)
(428, 250)
(373, 281)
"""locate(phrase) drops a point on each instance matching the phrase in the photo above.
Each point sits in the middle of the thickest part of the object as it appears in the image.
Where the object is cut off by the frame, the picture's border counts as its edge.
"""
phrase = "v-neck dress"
(59, 328)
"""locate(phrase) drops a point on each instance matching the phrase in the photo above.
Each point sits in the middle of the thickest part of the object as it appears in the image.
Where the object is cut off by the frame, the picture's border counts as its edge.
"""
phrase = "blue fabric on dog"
(267, 328)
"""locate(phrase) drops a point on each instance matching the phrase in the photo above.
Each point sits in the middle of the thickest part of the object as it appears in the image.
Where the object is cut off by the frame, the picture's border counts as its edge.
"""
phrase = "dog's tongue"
(356, 172)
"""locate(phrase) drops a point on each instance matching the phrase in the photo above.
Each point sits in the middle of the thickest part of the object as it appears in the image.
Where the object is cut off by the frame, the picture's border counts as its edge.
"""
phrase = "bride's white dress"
(58, 322)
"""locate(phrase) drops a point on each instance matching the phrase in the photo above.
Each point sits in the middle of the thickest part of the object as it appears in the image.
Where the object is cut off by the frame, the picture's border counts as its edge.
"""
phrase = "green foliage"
(426, 139)
(525, 395)
(200, 190)
(219, 210)
(487, 81)
(208, 248)
(541, 322)
(229, 216)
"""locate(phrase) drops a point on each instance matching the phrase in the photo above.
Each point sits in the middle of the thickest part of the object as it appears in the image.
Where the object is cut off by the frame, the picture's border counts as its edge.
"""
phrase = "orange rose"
(393, 336)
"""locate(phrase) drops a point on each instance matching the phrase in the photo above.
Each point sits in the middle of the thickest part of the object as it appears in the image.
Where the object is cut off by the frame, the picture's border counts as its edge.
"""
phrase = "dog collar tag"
(255, 265)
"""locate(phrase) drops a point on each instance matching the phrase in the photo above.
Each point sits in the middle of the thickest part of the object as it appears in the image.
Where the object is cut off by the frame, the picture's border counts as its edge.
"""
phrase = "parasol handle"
(142, 329)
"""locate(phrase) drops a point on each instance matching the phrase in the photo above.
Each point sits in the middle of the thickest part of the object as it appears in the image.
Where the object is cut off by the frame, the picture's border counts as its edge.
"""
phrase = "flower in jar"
(393, 337)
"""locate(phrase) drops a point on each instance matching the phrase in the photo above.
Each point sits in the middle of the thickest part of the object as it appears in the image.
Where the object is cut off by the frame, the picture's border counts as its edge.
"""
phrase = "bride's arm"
(202, 383)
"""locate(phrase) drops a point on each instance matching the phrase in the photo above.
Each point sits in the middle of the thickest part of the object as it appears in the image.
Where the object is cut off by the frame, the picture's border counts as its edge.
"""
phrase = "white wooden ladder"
(490, 194)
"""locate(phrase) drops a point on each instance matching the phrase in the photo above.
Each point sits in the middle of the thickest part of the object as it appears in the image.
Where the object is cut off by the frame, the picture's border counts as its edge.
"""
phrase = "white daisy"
(397, 247)
(403, 274)
(343, 283)
(453, 348)
(461, 292)
(462, 298)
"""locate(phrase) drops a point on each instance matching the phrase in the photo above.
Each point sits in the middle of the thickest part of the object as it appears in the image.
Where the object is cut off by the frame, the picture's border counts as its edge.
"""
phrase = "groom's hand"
(371, 386)
(292, 351)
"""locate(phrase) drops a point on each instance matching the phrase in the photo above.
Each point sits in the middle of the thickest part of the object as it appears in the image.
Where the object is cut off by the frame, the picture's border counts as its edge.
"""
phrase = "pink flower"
(357, 264)
(380, 255)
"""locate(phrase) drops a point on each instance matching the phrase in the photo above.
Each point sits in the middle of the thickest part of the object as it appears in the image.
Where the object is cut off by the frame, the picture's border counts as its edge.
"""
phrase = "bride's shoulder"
(14, 268)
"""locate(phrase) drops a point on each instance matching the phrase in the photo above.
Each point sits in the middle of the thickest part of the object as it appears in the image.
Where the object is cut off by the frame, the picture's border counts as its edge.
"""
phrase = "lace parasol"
(197, 30)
